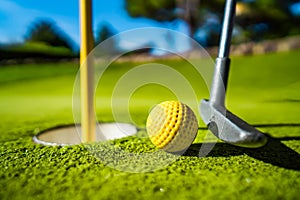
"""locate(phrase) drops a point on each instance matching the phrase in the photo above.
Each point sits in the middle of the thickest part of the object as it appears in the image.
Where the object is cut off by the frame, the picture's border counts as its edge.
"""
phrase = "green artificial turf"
(264, 90)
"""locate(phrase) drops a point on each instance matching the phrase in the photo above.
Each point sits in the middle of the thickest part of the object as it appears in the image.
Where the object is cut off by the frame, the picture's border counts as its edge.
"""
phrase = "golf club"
(222, 123)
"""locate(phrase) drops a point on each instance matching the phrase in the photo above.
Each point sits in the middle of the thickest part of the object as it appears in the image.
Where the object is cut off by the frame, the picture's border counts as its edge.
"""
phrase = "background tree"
(267, 19)
(165, 10)
(103, 32)
(255, 20)
(47, 32)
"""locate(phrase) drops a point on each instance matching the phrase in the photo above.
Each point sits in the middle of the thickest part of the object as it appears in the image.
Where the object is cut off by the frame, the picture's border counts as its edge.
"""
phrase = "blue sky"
(16, 16)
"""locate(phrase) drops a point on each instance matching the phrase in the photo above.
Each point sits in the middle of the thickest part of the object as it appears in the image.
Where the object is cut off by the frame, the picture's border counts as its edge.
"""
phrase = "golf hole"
(71, 135)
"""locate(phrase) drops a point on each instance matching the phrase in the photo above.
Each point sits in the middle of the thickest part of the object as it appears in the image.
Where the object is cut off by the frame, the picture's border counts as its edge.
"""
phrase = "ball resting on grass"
(172, 126)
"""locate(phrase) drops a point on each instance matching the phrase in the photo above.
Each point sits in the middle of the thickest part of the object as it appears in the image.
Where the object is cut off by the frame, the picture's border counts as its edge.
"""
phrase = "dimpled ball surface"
(172, 126)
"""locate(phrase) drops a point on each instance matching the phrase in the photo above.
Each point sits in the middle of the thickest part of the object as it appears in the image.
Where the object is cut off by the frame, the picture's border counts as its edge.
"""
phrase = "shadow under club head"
(230, 128)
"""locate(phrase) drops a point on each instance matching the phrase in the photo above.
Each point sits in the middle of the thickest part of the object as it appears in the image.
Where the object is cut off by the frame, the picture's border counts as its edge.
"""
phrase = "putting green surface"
(264, 90)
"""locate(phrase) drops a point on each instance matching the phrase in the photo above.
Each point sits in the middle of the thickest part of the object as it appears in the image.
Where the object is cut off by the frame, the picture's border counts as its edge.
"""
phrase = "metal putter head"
(230, 128)
(222, 123)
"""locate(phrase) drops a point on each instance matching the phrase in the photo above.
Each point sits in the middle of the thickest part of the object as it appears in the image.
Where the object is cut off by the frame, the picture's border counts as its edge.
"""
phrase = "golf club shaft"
(219, 84)
(227, 27)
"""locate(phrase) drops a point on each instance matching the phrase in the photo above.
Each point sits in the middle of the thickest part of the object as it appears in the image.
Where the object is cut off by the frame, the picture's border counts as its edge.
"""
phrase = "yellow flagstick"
(86, 72)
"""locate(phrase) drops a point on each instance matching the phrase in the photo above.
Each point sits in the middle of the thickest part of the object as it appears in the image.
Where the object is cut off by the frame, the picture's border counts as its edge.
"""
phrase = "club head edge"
(229, 128)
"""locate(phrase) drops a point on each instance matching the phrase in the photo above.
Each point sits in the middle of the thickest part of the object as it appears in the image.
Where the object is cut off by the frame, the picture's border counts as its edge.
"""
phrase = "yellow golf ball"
(172, 126)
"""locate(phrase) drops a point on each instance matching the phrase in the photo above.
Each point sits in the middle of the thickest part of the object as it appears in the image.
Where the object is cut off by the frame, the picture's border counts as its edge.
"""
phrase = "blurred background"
(50, 29)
